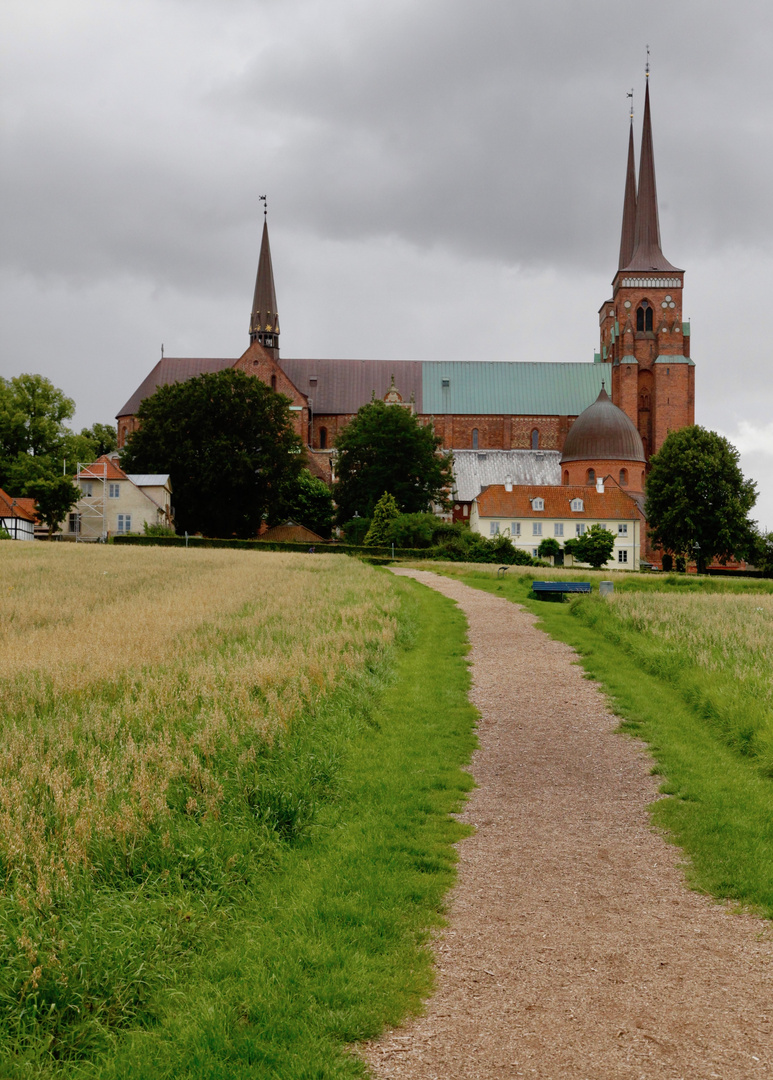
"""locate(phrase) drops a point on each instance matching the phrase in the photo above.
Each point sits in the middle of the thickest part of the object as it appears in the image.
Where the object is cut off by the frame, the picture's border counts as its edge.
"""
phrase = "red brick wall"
(674, 396)
(575, 472)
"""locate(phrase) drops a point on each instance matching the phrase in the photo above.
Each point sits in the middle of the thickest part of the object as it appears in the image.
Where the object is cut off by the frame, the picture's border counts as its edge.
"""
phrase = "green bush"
(356, 530)
(157, 530)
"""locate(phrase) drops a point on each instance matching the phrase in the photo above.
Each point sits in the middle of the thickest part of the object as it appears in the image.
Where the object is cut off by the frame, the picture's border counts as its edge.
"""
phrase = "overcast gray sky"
(445, 181)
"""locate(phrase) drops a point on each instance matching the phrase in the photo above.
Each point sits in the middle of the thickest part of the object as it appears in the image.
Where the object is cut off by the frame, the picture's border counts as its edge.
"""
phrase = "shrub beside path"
(574, 948)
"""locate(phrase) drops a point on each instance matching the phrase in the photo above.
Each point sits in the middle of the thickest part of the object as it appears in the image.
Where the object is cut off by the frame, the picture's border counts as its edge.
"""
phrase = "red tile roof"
(19, 508)
(104, 468)
(612, 504)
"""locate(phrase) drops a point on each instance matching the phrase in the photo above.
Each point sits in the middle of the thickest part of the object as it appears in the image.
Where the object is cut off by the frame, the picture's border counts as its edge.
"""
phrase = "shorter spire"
(628, 232)
(264, 322)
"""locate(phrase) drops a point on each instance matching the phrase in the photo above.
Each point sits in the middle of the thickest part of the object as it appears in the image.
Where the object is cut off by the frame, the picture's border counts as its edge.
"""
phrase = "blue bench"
(549, 590)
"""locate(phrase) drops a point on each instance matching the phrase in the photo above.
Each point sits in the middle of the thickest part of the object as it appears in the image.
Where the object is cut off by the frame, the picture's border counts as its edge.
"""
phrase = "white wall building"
(529, 514)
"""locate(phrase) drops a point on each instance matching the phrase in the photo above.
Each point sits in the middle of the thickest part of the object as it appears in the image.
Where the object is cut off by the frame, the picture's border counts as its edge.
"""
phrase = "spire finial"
(162, 350)
(647, 65)
(264, 200)
(630, 95)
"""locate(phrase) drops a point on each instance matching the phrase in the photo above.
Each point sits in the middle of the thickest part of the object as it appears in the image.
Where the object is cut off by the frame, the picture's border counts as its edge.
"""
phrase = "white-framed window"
(124, 523)
(538, 504)
(579, 529)
(113, 491)
(536, 528)
(535, 553)
(74, 522)
(466, 510)
(577, 505)
(622, 555)
(515, 528)
(558, 528)
(87, 488)
(493, 528)
(622, 528)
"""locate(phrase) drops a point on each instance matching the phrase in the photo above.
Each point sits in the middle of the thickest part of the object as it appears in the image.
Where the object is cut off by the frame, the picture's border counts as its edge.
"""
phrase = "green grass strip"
(333, 947)
(719, 809)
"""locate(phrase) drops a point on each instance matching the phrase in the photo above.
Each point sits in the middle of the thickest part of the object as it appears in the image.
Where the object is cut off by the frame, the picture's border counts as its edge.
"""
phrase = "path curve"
(574, 949)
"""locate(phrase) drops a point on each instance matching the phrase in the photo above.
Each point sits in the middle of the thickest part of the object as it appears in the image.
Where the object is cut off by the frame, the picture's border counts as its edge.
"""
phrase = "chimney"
(600, 485)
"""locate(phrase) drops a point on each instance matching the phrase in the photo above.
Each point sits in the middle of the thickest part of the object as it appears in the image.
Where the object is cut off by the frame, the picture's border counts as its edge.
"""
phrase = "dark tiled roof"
(342, 386)
(173, 369)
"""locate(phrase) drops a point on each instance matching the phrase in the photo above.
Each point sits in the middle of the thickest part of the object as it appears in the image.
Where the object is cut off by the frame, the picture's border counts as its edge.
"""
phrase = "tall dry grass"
(142, 690)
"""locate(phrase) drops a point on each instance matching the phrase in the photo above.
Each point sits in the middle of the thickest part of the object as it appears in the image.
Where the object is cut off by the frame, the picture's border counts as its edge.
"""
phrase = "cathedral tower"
(642, 332)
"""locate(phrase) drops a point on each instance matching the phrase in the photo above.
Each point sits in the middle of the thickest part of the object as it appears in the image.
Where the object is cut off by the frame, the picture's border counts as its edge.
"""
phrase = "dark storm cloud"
(496, 130)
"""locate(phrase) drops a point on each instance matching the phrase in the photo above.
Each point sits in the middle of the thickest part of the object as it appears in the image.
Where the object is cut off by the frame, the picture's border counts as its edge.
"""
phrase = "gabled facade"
(113, 503)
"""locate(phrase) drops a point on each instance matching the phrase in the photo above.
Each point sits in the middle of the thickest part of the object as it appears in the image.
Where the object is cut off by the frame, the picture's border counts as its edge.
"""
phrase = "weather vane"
(630, 95)
(262, 198)
(647, 65)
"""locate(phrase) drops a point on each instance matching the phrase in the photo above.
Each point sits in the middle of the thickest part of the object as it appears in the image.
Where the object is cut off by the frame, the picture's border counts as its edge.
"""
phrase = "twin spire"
(640, 238)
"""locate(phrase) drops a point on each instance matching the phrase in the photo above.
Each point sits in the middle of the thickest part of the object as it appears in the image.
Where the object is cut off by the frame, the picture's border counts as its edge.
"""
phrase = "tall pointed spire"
(647, 254)
(628, 233)
(264, 322)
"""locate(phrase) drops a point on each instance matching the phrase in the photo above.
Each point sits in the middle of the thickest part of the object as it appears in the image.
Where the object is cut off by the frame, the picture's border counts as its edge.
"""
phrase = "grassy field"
(688, 665)
(225, 788)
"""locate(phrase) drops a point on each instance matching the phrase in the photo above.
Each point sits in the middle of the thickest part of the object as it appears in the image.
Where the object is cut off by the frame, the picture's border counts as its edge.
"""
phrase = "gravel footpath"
(574, 948)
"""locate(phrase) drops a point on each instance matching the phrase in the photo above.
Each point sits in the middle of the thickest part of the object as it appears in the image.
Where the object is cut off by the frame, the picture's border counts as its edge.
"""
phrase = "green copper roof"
(471, 387)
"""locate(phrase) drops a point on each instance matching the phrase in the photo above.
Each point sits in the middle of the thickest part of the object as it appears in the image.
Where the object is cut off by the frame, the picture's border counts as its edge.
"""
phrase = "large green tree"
(227, 442)
(698, 500)
(386, 448)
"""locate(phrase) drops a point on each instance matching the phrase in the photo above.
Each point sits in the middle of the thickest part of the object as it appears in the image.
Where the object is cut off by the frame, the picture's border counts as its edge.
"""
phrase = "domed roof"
(603, 432)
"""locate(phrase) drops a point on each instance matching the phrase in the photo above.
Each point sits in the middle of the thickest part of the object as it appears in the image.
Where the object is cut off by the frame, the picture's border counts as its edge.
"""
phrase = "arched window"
(644, 316)
(590, 476)
(323, 438)
(475, 438)
(566, 476)
(535, 439)
(642, 479)
(623, 478)
(644, 400)
(273, 382)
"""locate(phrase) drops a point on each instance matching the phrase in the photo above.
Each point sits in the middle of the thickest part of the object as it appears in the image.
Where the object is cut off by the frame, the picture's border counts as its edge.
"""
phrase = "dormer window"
(644, 316)
(577, 505)
(538, 504)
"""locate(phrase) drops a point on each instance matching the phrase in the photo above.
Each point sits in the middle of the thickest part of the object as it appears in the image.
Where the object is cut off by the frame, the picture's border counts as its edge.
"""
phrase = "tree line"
(228, 442)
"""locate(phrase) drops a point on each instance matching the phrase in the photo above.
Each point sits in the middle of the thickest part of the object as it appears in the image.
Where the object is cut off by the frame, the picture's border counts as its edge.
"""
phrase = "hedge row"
(276, 545)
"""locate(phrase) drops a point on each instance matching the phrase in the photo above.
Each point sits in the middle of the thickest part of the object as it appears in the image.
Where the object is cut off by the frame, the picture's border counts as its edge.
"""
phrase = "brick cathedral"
(520, 406)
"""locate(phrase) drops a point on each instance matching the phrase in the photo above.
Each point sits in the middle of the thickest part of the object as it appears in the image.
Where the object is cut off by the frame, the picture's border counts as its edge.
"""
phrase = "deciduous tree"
(385, 448)
(594, 547)
(698, 501)
(228, 443)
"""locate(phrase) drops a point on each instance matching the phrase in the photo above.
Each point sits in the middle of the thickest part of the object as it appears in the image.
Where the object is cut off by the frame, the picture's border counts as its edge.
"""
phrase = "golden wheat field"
(125, 669)
(716, 631)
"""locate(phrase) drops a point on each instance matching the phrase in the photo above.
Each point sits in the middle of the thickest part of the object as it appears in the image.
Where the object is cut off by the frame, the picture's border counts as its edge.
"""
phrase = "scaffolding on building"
(89, 513)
